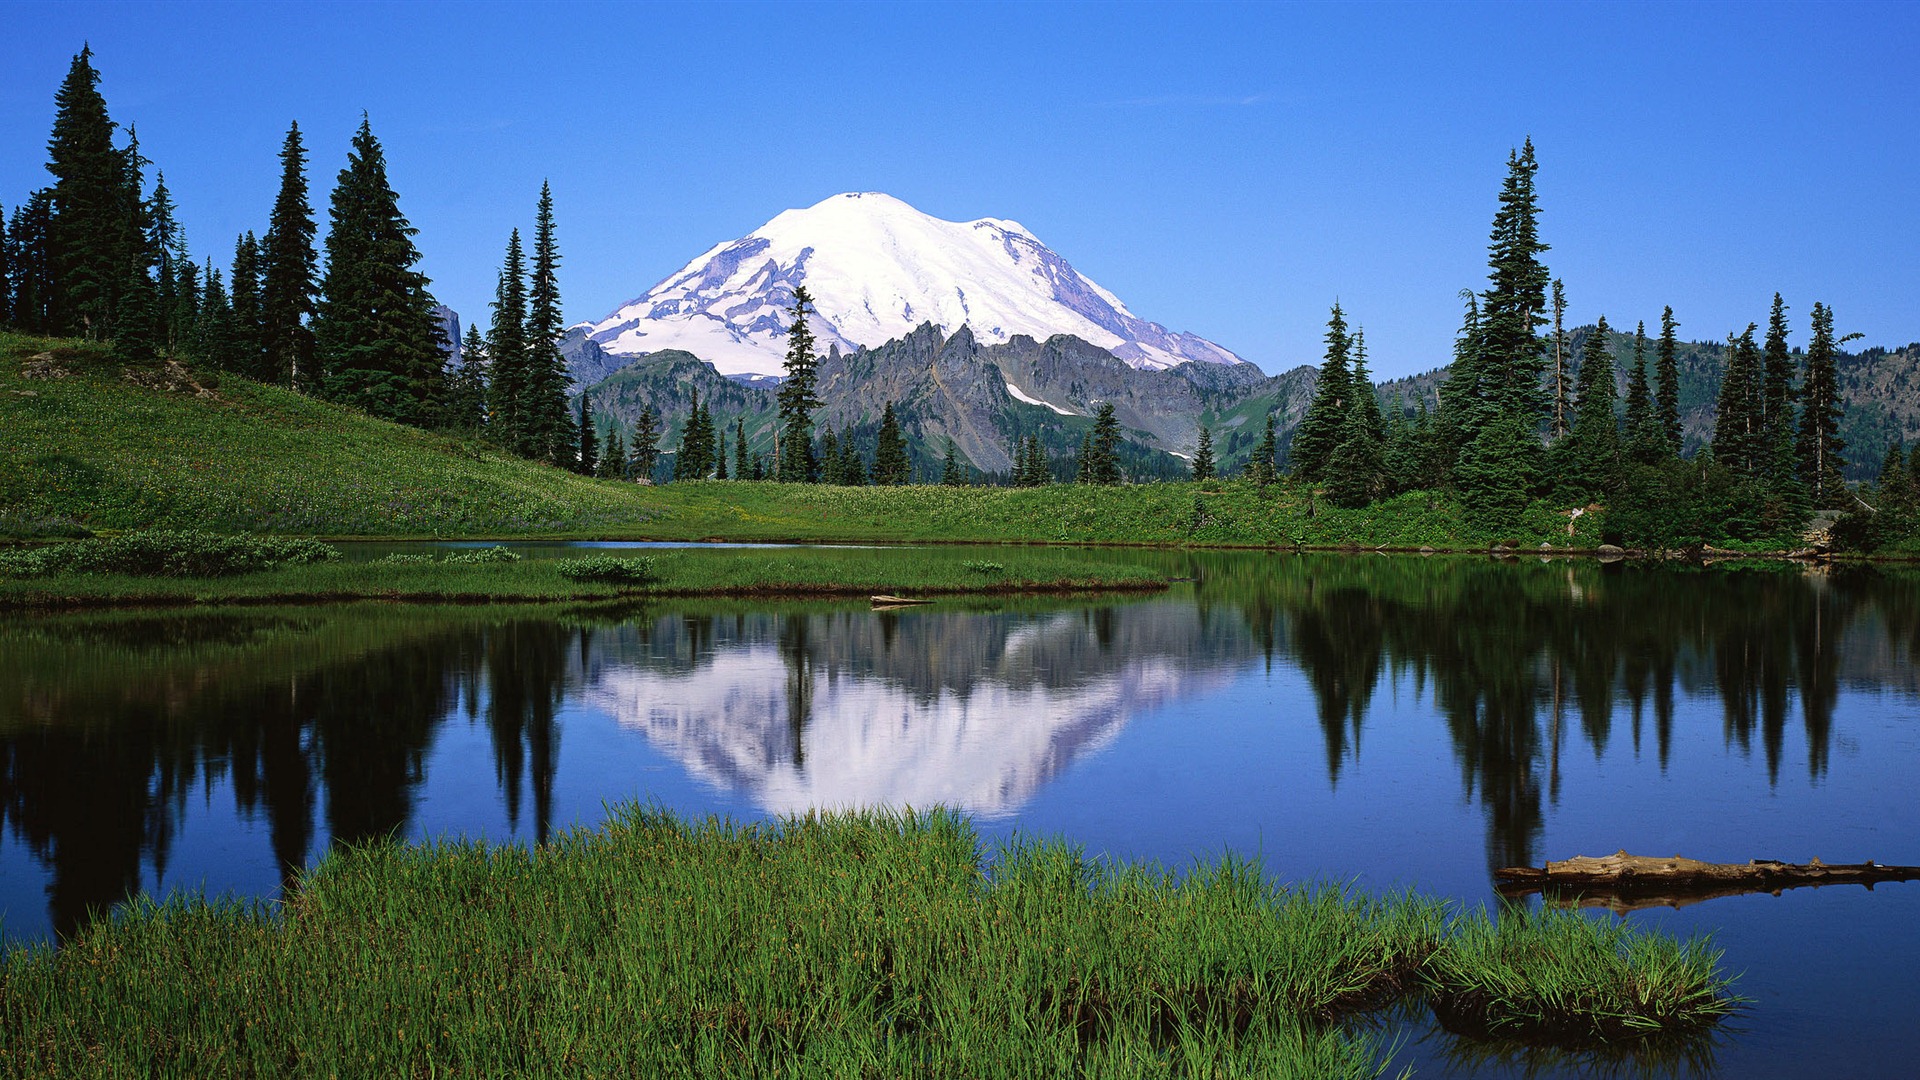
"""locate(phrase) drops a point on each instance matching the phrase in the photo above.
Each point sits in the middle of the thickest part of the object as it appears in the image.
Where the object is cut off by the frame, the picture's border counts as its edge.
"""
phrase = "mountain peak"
(877, 267)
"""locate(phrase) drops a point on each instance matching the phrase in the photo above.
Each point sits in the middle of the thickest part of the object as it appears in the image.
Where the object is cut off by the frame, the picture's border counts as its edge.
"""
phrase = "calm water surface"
(1399, 722)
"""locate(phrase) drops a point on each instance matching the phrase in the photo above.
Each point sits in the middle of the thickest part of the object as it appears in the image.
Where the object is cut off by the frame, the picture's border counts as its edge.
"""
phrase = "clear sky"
(1226, 169)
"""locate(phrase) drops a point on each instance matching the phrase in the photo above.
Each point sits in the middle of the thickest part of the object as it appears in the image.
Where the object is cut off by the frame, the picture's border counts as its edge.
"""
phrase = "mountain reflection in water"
(323, 724)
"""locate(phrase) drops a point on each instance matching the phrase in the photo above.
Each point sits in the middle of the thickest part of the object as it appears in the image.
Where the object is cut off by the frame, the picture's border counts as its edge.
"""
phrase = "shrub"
(634, 570)
(983, 568)
(494, 554)
(402, 558)
(167, 553)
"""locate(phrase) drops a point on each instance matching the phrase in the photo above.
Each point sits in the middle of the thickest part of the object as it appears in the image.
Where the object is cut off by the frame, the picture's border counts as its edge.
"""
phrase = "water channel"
(1389, 721)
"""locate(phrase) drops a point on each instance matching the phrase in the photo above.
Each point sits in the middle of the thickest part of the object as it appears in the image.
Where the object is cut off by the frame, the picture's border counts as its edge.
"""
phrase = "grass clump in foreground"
(860, 945)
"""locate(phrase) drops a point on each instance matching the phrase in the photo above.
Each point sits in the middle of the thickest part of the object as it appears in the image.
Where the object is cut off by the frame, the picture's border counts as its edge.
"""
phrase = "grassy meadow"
(871, 944)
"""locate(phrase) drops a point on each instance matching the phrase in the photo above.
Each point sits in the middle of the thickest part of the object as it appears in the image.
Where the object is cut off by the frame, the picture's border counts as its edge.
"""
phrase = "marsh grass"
(871, 944)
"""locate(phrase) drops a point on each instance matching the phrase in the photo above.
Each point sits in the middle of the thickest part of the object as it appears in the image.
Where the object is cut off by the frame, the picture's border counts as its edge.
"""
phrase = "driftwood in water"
(896, 601)
(1624, 882)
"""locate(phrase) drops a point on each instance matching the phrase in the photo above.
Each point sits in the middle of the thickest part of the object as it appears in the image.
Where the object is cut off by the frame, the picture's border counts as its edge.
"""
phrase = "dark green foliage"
(952, 473)
(1646, 441)
(248, 327)
(1499, 470)
(1261, 468)
(720, 453)
(798, 397)
(890, 462)
(213, 327)
(615, 570)
(497, 553)
(1203, 455)
(1514, 305)
(1562, 414)
(31, 260)
(587, 456)
(1738, 433)
(1776, 393)
(1820, 446)
(377, 343)
(1356, 474)
(694, 460)
(1099, 463)
(1320, 429)
(166, 553)
(6, 273)
(287, 276)
(1667, 397)
(1674, 504)
(507, 355)
(643, 447)
(1585, 465)
(742, 467)
(548, 431)
(466, 398)
(1466, 398)
(849, 469)
(613, 456)
(94, 232)
(828, 458)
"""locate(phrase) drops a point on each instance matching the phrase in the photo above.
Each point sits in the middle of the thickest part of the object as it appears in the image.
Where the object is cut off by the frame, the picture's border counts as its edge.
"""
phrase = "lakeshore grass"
(867, 944)
(495, 574)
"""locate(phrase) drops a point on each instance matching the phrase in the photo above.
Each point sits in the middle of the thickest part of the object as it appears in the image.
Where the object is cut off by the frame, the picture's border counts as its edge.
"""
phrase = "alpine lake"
(1390, 721)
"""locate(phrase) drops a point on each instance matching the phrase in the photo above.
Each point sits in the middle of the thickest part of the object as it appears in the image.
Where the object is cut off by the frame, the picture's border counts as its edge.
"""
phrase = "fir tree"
(853, 471)
(742, 469)
(1560, 410)
(1101, 459)
(213, 326)
(1366, 402)
(166, 252)
(720, 453)
(32, 263)
(1514, 304)
(587, 458)
(1777, 453)
(1737, 439)
(890, 462)
(287, 275)
(1260, 467)
(250, 357)
(1039, 473)
(1320, 429)
(1203, 455)
(1401, 456)
(694, 460)
(797, 397)
(467, 386)
(643, 449)
(951, 472)
(89, 235)
(1466, 401)
(507, 354)
(1820, 446)
(1356, 471)
(377, 343)
(613, 456)
(1498, 471)
(829, 457)
(1667, 398)
(549, 431)
(1589, 465)
(1646, 442)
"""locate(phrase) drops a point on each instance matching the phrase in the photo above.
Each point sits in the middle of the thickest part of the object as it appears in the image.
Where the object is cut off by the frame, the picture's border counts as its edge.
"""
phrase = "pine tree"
(1466, 400)
(1514, 304)
(694, 460)
(742, 469)
(544, 409)
(1320, 429)
(1737, 441)
(1498, 471)
(32, 261)
(1203, 455)
(1356, 473)
(890, 462)
(213, 326)
(287, 275)
(1646, 442)
(643, 449)
(1039, 473)
(176, 288)
(720, 453)
(90, 239)
(797, 397)
(250, 356)
(1589, 466)
(1260, 467)
(1778, 460)
(951, 472)
(613, 456)
(829, 457)
(377, 344)
(1560, 410)
(1102, 463)
(1667, 398)
(1820, 446)
(507, 354)
(467, 386)
(587, 457)
(853, 469)
(1366, 402)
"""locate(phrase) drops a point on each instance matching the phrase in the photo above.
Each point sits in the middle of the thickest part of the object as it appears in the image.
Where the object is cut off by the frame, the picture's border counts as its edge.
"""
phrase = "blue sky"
(1225, 169)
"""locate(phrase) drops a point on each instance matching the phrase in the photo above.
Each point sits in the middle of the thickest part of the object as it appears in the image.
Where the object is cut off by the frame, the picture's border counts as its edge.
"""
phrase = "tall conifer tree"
(1646, 442)
(288, 279)
(1590, 463)
(1737, 440)
(507, 354)
(1514, 305)
(89, 236)
(467, 386)
(798, 397)
(742, 468)
(249, 348)
(1820, 446)
(587, 457)
(1560, 410)
(643, 449)
(32, 261)
(890, 462)
(1667, 397)
(545, 410)
(1203, 455)
(1320, 429)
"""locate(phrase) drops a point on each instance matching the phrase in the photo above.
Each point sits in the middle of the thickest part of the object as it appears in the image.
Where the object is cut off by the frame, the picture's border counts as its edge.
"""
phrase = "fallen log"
(1623, 882)
(896, 601)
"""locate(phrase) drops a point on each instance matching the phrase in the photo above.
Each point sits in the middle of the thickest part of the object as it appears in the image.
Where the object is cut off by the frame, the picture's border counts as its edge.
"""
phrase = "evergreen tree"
(1667, 398)
(1039, 473)
(90, 238)
(829, 457)
(467, 386)
(643, 450)
(853, 471)
(797, 397)
(1560, 411)
(287, 276)
(742, 470)
(695, 457)
(549, 430)
(507, 354)
(377, 343)
(720, 453)
(890, 462)
(1356, 472)
(1777, 452)
(1498, 471)
(1203, 455)
(1589, 465)
(613, 456)
(1514, 304)
(1466, 401)
(1820, 446)
(213, 328)
(175, 291)
(1100, 461)
(1646, 442)
(587, 457)
(1401, 456)
(1366, 402)
(249, 350)
(1737, 437)
(32, 263)
(1320, 429)
(1260, 467)
(951, 472)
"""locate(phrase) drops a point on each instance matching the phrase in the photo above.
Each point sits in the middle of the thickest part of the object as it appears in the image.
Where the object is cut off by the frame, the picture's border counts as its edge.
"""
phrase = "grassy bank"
(866, 945)
(482, 576)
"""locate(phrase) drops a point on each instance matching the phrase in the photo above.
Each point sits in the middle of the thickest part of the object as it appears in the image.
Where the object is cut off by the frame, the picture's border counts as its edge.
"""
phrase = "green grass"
(859, 945)
(478, 576)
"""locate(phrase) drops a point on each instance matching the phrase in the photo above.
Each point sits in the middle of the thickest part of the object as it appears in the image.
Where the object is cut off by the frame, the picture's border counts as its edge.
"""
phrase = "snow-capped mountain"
(877, 268)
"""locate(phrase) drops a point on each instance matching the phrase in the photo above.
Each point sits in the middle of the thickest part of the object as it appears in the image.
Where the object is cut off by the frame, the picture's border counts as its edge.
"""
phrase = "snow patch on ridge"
(1023, 396)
